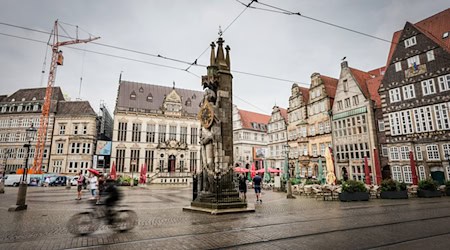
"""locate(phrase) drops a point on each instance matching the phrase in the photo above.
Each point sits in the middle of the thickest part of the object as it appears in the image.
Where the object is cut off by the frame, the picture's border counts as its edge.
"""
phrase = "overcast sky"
(263, 43)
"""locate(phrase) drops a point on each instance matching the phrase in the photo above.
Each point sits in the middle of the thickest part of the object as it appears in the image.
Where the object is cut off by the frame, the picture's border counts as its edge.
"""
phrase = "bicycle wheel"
(82, 223)
(124, 220)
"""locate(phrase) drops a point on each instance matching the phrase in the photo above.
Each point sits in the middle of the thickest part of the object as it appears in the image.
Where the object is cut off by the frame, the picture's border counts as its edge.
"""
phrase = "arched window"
(150, 97)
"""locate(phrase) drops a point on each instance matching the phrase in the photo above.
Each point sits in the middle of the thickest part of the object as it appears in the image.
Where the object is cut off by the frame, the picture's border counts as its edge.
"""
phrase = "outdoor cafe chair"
(375, 191)
(308, 190)
(317, 192)
(327, 193)
(412, 190)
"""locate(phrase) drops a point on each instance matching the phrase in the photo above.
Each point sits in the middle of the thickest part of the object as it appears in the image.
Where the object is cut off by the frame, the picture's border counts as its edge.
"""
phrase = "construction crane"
(57, 60)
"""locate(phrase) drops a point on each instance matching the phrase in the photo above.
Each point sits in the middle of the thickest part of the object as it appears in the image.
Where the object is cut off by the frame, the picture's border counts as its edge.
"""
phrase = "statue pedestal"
(224, 198)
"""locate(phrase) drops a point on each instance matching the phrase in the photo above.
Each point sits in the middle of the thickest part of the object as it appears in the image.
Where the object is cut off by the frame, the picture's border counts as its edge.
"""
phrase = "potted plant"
(354, 191)
(447, 188)
(391, 189)
(428, 189)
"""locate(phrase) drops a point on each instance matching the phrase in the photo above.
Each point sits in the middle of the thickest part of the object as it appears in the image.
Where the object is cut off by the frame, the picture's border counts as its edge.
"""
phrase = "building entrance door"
(438, 176)
(172, 161)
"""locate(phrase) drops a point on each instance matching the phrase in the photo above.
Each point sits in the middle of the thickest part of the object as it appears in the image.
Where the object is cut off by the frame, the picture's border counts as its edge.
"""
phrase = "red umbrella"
(412, 162)
(377, 165)
(261, 170)
(240, 170)
(113, 173)
(273, 170)
(366, 170)
(253, 173)
(94, 171)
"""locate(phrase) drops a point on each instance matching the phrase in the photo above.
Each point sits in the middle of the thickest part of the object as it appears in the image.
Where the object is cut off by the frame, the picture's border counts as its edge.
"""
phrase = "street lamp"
(286, 176)
(22, 193)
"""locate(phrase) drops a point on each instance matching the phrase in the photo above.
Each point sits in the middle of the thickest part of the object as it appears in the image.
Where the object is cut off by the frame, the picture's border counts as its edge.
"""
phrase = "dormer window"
(194, 97)
(410, 42)
(445, 35)
(150, 98)
(141, 90)
(23, 99)
(34, 99)
(133, 95)
(13, 100)
(188, 102)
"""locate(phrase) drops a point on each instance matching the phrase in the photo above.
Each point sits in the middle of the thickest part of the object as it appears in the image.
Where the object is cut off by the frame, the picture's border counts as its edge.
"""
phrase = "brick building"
(415, 97)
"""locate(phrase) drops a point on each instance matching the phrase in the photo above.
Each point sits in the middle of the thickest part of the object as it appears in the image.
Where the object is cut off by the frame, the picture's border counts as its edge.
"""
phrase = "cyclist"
(113, 196)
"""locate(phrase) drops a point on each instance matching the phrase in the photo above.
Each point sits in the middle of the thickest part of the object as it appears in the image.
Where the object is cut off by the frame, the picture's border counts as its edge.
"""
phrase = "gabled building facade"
(250, 137)
(18, 112)
(158, 126)
(74, 138)
(297, 125)
(277, 133)
(321, 96)
(415, 97)
(354, 125)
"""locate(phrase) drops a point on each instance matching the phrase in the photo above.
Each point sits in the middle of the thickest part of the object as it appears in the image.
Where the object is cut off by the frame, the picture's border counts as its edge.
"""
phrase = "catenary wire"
(226, 28)
(171, 59)
(132, 59)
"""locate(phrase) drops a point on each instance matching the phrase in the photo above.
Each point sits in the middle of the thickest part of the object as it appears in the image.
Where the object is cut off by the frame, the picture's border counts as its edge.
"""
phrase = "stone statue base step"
(215, 211)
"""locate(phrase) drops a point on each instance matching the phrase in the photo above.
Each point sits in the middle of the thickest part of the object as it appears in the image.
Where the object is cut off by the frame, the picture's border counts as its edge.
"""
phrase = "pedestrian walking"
(100, 187)
(47, 181)
(80, 182)
(93, 186)
(243, 187)
(257, 186)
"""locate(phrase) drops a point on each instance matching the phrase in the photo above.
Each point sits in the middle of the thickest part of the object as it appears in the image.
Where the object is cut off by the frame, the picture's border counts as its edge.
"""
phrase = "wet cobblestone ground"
(278, 223)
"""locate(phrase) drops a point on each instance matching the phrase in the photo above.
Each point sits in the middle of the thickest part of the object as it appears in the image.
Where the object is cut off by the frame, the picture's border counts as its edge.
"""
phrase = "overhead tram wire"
(226, 28)
(140, 61)
(288, 12)
(149, 54)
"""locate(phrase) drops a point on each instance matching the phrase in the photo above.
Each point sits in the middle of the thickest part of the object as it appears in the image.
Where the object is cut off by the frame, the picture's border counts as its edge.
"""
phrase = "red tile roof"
(248, 117)
(361, 77)
(284, 114)
(433, 27)
(330, 84)
(305, 94)
(373, 85)
(378, 71)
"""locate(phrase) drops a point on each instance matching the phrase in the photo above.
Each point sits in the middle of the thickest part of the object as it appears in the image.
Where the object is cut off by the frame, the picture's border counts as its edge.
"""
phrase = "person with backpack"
(81, 180)
(243, 187)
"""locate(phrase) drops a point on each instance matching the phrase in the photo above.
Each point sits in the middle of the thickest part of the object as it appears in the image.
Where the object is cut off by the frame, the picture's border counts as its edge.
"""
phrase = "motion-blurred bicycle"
(85, 223)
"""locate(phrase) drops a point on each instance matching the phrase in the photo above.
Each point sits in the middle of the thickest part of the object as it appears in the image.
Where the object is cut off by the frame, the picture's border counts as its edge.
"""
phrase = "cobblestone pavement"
(278, 223)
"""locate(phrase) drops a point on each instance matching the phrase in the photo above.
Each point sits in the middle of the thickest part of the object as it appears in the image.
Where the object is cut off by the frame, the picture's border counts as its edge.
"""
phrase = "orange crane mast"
(57, 59)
